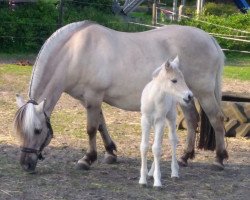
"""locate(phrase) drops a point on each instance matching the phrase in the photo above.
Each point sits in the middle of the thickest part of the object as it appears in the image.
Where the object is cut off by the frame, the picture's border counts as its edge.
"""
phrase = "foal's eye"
(174, 80)
(37, 131)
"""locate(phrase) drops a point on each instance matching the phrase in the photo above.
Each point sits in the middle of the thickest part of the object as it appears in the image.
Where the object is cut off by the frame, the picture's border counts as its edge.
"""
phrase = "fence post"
(175, 10)
(181, 8)
(60, 14)
(154, 13)
(198, 5)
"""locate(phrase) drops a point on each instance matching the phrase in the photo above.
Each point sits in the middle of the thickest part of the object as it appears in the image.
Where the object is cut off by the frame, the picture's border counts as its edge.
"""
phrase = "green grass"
(235, 72)
(15, 69)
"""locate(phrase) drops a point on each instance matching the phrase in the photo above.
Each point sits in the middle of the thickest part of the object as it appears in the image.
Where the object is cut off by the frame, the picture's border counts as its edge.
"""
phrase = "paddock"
(57, 178)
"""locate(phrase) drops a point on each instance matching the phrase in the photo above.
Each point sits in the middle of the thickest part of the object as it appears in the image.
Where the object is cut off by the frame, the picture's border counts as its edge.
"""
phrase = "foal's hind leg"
(192, 119)
(93, 120)
(110, 146)
(145, 126)
(215, 116)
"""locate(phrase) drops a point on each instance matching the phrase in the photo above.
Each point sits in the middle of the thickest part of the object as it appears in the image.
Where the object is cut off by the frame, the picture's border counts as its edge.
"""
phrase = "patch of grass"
(234, 72)
(15, 69)
(14, 78)
(237, 59)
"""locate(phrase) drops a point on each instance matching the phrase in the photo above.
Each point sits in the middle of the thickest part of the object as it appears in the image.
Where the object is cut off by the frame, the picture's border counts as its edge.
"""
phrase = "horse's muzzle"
(28, 162)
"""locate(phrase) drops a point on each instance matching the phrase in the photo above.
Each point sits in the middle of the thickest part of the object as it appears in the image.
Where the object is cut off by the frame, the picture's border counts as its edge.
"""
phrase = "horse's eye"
(174, 80)
(37, 131)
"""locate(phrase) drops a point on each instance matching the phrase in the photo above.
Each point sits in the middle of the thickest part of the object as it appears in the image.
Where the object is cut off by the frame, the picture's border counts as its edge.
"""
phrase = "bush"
(219, 9)
(235, 21)
(25, 27)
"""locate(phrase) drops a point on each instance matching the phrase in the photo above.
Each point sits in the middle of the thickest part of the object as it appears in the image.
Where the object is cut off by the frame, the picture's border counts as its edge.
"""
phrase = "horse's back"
(119, 64)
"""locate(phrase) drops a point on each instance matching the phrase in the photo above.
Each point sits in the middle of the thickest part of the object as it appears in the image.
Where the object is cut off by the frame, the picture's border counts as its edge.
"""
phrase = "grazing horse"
(95, 64)
(158, 103)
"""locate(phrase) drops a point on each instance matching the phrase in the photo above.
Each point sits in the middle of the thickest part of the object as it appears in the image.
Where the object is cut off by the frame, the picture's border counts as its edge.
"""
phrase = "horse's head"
(173, 80)
(34, 130)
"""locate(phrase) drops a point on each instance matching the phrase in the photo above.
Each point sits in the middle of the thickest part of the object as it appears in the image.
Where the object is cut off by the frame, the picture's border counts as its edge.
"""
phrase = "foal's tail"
(207, 134)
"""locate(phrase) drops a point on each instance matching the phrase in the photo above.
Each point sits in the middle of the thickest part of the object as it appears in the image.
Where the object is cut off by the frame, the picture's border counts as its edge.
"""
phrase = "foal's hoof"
(175, 178)
(182, 162)
(159, 188)
(143, 185)
(218, 166)
(109, 158)
(82, 165)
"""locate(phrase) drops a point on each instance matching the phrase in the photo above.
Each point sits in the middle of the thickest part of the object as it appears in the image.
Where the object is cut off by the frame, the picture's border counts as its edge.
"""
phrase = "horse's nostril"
(190, 97)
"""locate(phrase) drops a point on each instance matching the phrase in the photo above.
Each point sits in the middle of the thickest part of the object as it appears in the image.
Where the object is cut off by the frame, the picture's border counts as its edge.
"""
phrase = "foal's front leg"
(93, 120)
(157, 149)
(173, 139)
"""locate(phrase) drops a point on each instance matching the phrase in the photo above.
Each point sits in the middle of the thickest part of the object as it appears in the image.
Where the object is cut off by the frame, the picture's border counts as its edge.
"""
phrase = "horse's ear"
(19, 100)
(40, 106)
(167, 65)
(176, 62)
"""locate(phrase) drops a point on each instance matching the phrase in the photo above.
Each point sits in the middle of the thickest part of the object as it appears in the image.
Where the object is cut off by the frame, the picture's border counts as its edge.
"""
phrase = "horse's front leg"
(192, 118)
(110, 146)
(93, 120)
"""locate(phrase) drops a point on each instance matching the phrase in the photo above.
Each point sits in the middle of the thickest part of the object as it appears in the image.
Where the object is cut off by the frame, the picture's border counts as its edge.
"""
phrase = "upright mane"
(56, 38)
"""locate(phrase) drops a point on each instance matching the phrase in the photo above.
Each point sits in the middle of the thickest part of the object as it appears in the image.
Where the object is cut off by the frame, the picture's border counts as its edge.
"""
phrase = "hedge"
(25, 27)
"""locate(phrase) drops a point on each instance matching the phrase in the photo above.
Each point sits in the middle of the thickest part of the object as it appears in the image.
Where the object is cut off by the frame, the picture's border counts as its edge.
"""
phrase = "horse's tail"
(207, 134)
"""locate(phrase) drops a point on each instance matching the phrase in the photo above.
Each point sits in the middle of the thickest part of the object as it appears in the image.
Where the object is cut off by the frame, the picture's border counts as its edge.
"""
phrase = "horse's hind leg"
(192, 119)
(93, 120)
(110, 146)
(216, 118)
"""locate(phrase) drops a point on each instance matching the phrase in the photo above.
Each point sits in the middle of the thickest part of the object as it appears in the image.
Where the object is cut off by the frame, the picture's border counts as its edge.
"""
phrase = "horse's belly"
(128, 102)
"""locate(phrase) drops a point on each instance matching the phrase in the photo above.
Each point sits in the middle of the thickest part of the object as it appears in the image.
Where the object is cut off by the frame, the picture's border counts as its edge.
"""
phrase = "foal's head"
(34, 130)
(172, 80)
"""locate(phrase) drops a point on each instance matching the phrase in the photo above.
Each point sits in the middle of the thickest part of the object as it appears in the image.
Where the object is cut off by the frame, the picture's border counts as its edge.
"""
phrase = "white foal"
(158, 103)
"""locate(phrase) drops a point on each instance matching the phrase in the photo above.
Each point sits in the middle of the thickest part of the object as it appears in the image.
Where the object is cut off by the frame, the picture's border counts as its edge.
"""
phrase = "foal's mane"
(58, 37)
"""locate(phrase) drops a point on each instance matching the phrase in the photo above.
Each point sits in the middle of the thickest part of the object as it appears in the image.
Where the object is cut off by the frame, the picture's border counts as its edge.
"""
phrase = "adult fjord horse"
(95, 64)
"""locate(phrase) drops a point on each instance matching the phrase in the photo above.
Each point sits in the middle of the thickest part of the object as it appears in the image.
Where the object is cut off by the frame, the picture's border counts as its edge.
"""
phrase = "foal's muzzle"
(188, 98)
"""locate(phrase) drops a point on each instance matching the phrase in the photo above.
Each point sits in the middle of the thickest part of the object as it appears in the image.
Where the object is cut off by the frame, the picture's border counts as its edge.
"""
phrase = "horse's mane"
(58, 37)
(25, 120)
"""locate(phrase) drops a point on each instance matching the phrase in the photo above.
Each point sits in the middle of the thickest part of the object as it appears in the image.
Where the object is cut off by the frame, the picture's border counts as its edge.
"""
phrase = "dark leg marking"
(183, 160)
(220, 156)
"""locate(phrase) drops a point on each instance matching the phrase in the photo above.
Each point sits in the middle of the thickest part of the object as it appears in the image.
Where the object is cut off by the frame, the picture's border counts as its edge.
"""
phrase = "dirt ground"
(57, 178)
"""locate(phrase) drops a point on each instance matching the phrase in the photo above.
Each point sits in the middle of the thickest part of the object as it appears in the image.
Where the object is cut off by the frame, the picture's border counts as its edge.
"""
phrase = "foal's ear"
(168, 65)
(19, 100)
(156, 72)
(40, 106)
(176, 62)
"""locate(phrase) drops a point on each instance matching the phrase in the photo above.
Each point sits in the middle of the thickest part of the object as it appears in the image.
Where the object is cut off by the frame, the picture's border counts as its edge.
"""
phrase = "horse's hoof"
(218, 166)
(182, 163)
(82, 165)
(109, 158)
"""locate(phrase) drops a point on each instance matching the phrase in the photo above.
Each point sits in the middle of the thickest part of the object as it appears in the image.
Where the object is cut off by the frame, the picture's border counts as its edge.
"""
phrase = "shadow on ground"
(57, 178)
